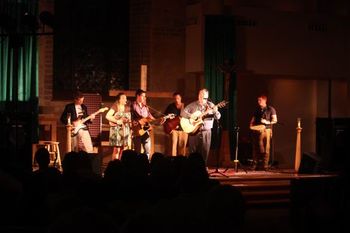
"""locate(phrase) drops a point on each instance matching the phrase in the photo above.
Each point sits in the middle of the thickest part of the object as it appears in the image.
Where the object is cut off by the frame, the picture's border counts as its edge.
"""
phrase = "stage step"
(263, 193)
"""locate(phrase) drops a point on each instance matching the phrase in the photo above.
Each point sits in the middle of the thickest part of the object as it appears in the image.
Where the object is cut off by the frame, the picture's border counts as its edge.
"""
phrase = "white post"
(69, 128)
(298, 147)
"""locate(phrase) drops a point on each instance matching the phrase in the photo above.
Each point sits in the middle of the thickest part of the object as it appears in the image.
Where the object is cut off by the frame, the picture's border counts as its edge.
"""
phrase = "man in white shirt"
(74, 113)
(200, 140)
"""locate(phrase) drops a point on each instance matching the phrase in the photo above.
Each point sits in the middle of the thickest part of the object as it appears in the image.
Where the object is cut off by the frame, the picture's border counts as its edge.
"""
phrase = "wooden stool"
(54, 150)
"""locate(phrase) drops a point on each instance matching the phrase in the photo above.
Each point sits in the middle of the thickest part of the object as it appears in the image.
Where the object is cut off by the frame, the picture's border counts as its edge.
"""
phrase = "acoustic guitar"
(171, 124)
(144, 125)
(79, 124)
(124, 120)
(192, 124)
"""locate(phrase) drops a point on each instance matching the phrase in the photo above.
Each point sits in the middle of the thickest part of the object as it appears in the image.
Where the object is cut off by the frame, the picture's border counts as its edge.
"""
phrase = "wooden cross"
(227, 68)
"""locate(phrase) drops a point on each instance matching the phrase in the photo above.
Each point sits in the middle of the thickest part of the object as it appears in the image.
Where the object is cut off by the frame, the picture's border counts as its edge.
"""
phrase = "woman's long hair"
(117, 101)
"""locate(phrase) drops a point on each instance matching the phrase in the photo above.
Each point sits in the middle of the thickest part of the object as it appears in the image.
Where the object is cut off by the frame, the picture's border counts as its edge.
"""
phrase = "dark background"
(90, 46)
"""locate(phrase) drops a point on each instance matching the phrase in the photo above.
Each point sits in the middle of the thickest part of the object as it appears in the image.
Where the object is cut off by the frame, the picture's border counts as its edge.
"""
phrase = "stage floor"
(272, 174)
(272, 188)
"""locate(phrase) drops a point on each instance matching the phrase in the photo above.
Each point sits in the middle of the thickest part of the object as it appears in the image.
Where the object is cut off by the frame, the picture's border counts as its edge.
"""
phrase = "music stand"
(236, 161)
(217, 132)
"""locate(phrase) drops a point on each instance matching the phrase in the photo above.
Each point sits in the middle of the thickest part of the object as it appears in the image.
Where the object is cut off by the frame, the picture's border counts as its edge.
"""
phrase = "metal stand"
(217, 149)
(273, 163)
(236, 162)
(272, 149)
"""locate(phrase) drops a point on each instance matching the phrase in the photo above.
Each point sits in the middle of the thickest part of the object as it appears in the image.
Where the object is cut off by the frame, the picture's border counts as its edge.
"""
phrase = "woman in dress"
(119, 118)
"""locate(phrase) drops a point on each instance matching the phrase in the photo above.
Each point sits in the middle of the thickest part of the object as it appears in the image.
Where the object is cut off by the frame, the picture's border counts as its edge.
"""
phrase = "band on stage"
(189, 126)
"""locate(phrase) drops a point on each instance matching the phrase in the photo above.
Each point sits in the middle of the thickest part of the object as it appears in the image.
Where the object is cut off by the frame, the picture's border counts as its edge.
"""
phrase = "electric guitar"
(192, 124)
(144, 125)
(79, 124)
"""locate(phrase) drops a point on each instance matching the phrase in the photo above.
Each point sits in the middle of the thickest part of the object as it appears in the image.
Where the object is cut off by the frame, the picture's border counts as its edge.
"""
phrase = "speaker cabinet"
(310, 163)
(18, 124)
(332, 142)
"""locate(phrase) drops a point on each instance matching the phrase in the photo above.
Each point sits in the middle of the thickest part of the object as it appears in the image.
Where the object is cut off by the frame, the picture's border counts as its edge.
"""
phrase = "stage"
(275, 187)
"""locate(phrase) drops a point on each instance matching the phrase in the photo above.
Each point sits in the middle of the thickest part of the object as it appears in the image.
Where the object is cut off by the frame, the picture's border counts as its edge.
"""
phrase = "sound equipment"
(310, 163)
(18, 124)
(332, 142)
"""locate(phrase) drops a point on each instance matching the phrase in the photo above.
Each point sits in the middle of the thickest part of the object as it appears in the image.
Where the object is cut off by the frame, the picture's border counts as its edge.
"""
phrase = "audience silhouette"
(165, 194)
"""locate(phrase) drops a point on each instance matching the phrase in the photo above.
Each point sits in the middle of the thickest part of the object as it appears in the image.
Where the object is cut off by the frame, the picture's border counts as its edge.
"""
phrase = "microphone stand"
(236, 162)
(217, 149)
(272, 149)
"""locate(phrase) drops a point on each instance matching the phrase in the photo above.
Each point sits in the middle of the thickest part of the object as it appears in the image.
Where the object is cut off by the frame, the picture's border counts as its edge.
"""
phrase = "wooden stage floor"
(272, 174)
(275, 187)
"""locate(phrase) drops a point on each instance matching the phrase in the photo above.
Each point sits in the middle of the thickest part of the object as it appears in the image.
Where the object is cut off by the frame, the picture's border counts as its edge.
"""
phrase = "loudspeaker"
(96, 162)
(18, 126)
(310, 163)
(332, 139)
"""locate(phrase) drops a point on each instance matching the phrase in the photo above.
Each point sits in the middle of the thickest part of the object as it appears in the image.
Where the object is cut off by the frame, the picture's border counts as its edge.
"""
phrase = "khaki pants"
(178, 140)
(82, 141)
(261, 147)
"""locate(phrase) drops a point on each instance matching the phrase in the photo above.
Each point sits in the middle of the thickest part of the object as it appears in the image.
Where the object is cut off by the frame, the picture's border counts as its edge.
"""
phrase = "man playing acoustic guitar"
(202, 112)
(141, 116)
(261, 125)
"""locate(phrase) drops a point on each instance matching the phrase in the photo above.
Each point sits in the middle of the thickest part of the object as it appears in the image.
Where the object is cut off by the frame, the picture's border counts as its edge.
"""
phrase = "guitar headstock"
(164, 118)
(101, 110)
(222, 104)
(170, 116)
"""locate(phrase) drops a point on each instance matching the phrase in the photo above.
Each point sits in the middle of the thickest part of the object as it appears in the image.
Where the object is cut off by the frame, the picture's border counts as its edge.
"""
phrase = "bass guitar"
(144, 125)
(79, 124)
(192, 124)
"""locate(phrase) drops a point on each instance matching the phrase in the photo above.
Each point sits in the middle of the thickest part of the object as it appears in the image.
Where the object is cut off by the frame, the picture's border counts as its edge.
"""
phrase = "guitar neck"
(154, 121)
(205, 113)
(89, 117)
(85, 119)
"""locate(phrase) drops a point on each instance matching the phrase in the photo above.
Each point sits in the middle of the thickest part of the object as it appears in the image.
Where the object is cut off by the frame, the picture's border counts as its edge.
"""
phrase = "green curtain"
(18, 81)
(219, 45)
(18, 52)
